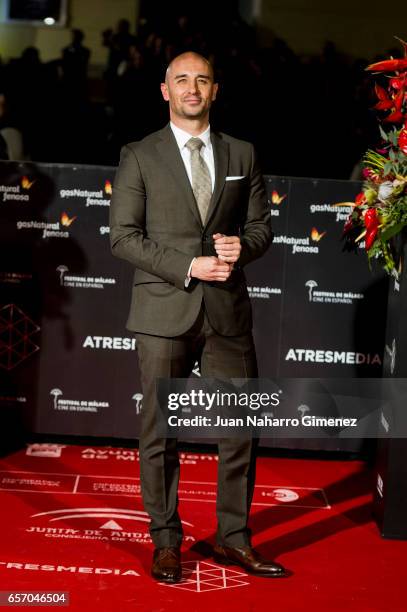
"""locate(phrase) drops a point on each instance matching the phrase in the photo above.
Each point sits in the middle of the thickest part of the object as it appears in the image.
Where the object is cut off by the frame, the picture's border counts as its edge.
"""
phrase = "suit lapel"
(169, 151)
(221, 158)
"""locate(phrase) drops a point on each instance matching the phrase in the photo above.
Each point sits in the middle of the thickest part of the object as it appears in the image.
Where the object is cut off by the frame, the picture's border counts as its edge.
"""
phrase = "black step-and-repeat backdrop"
(67, 363)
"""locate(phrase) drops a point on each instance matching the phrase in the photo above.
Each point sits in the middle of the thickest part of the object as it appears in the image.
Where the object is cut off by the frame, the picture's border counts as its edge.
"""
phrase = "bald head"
(188, 56)
(190, 90)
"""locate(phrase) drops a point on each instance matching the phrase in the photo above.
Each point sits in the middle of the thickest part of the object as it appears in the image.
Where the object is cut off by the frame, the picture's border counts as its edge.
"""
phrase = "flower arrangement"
(380, 211)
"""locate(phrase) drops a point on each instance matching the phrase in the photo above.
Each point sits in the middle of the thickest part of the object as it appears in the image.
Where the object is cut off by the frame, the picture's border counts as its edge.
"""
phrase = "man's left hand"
(227, 248)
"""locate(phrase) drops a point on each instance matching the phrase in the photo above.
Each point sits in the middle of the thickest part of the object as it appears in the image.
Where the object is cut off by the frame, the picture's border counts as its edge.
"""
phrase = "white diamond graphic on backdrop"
(16, 332)
(202, 576)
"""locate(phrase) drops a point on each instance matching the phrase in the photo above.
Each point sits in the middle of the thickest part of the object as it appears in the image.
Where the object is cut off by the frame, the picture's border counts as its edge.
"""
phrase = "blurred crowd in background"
(306, 115)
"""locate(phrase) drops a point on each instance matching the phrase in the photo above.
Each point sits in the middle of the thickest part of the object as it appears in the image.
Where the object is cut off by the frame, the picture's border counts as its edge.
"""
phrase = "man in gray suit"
(189, 211)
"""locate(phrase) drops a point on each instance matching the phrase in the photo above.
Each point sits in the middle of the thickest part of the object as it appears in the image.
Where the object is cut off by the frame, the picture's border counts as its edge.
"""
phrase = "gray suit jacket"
(156, 226)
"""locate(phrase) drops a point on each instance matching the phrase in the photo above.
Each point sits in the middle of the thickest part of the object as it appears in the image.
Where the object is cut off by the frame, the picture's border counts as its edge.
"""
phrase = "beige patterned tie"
(201, 178)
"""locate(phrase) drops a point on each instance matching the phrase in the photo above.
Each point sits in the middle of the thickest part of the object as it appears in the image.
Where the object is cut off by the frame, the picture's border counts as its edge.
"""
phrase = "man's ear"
(215, 91)
(164, 91)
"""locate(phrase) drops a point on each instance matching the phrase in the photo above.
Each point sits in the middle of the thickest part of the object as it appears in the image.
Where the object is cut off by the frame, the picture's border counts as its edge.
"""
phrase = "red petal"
(396, 117)
(381, 93)
(384, 105)
(388, 65)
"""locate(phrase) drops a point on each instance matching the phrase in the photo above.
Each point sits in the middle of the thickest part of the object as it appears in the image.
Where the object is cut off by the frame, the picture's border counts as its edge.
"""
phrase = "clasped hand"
(218, 268)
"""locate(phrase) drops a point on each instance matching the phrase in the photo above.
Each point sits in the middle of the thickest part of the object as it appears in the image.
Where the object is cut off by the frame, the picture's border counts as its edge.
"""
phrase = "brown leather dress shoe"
(166, 564)
(248, 559)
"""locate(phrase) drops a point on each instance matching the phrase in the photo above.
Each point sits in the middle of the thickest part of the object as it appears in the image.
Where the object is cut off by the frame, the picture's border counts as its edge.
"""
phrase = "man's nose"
(193, 87)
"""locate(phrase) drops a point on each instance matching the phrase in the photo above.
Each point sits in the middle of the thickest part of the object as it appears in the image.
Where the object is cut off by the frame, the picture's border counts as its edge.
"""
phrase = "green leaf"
(383, 134)
(392, 231)
(387, 168)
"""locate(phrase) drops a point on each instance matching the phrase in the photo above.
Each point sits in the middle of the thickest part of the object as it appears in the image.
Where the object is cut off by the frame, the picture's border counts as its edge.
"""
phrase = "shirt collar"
(182, 137)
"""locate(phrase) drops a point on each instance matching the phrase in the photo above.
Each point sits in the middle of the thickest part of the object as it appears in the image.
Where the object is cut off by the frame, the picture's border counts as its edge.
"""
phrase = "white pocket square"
(234, 178)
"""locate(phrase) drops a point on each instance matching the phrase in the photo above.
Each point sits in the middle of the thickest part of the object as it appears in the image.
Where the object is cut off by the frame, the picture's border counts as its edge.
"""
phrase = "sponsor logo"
(120, 454)
(391, 352)
(330, 297)
(71, 405)
(16, 192)
(203, 576)
(276, 199)
(300, 245)
(66, 220)
(72, 569)
(285, 495)
(138, 398)
(17, 334)
(112, 524)
(263, 292)
(49, 230)
(104, 229)
(332, 356)
(341, 212)
(91, 198)
(316, 236)
(26, 183)
(45, 450)
(109, 343)
(124, 454)
(82, 282)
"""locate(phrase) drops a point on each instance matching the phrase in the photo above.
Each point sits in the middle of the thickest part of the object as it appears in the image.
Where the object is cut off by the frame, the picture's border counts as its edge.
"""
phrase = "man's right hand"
(210, 269)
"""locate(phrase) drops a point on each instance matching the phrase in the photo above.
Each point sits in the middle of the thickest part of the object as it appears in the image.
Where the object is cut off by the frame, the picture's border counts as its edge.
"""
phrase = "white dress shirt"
(182, 137)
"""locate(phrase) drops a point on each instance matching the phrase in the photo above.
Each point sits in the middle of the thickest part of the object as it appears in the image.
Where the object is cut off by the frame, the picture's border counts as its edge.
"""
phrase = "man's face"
(189, 88)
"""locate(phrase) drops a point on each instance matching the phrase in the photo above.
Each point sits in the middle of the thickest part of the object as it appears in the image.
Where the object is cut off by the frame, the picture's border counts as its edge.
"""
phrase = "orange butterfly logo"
(26, 183)
(108, 187)
(67, 221)
(315, 235)
(276, 198)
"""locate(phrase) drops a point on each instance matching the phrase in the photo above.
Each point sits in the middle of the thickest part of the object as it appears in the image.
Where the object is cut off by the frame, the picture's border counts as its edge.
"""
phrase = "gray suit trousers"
(219, 356)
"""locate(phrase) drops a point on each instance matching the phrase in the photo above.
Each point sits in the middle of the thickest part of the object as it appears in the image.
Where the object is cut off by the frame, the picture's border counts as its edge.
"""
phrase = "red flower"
(402, 140)
(390, 65)
(360, 199)
(371, 223)
(398, 82)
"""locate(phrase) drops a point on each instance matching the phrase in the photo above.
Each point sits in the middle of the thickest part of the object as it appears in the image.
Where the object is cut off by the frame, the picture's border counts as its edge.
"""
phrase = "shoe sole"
(226, 561)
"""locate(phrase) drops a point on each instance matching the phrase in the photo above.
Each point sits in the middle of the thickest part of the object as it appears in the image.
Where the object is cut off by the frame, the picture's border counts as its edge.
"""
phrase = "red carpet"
(73, 521)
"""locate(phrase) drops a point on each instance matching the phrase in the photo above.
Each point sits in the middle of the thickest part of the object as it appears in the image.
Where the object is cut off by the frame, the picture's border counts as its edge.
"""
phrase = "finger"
(217, 236)
(227, 248)
(229, 240)
(228, 255)
(229, 258)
